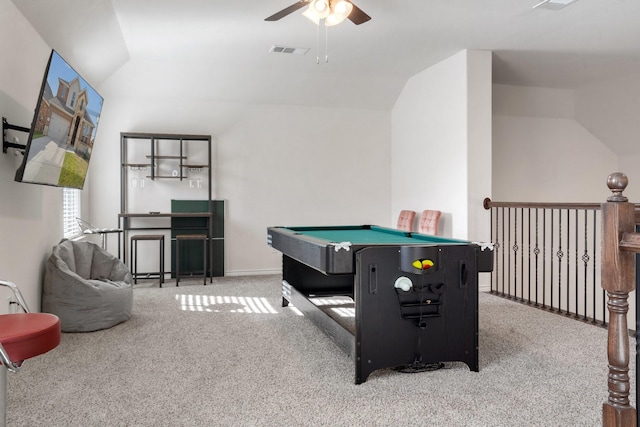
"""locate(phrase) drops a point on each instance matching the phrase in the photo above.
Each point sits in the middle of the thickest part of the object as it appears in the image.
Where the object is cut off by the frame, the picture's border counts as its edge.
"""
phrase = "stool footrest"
(191, 237)
(147, 237)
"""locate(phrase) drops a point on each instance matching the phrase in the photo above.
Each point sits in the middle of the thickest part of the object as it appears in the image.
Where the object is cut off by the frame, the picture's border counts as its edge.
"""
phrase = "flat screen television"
(63, 129)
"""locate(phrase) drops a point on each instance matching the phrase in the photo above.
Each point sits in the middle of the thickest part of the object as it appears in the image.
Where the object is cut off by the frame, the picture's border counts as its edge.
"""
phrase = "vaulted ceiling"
(211, 49)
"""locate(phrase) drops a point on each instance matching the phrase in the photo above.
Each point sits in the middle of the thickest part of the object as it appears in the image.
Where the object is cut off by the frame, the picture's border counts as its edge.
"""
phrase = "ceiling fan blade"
(357, 16)
(288, 10)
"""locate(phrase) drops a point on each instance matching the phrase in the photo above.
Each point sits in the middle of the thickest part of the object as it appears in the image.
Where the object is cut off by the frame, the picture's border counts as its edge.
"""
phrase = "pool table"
(415, 296)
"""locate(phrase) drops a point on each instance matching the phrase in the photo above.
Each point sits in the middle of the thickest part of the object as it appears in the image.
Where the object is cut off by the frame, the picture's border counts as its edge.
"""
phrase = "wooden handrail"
(488, 204)
(630, 242)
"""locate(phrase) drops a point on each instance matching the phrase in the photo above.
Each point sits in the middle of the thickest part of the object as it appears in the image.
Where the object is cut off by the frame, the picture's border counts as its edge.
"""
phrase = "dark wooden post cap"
(617, 182)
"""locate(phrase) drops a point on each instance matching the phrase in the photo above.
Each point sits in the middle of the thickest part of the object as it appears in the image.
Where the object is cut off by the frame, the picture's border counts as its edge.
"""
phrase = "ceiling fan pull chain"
(318, 43)
(326, 44)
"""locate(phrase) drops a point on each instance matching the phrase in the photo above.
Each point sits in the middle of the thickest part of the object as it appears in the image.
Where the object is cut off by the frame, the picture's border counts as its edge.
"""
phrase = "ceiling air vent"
(291, 50)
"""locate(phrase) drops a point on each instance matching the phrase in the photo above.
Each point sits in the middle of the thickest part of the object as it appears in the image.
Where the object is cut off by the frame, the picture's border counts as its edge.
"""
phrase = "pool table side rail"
(329, 258)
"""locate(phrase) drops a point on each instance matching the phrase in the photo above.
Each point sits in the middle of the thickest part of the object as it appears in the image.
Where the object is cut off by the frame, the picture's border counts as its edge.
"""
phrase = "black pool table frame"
(435, 321)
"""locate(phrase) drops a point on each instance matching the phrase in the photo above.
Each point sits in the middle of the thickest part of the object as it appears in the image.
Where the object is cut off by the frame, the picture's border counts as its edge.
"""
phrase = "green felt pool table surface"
(371, 235)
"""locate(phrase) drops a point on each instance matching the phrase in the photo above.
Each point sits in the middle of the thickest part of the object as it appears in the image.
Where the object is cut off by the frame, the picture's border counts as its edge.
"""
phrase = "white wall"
(273, 164)
(479, 145)
(541, 153)
(30, 215)
(533, 102)
(630, 165)
(609, 110)
(441, 144)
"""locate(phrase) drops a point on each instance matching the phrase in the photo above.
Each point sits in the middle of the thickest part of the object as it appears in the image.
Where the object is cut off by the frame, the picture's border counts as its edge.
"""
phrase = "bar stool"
(134, 255)
(23, 336)
(188, 237)
(87, 228)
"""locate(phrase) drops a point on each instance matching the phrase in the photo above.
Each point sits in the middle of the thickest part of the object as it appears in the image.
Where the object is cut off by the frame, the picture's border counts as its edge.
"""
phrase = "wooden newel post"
(618, 280)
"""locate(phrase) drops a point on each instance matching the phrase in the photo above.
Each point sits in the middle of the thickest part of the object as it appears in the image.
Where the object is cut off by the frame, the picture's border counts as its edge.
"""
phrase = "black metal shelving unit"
(158, 162)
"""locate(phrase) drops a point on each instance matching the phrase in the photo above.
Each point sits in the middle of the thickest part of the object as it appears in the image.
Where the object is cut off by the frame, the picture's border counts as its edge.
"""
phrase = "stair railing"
(578, 259)
(546, 255)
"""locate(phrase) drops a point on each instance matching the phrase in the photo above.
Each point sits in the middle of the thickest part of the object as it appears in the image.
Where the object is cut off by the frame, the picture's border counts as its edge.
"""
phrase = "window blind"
(70, 211)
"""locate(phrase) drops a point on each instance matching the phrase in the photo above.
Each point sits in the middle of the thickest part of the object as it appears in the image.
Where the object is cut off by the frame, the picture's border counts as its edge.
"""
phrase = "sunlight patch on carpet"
(224, 304)
(340, 306)
(344, 311)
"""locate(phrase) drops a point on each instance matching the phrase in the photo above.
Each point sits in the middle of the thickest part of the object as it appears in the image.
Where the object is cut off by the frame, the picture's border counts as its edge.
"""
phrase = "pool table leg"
(286, 293)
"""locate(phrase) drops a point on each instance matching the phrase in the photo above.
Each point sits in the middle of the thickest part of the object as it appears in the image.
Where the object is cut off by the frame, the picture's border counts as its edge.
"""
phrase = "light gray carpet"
(188, 357)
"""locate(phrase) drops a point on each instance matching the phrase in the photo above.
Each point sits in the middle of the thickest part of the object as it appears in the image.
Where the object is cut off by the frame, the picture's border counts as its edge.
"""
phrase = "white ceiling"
(214, 49)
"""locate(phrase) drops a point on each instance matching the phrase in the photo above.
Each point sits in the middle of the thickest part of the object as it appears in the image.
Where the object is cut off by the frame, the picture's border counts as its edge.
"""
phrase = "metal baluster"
(559, 254)
(585, 260)
(544, 258)
(515, 254)
(536, 251)
(509, 253)
(605, 311)
(604, 297)
(503, 222)
(568, 298)
(552, 264)
(595, 317)
(529, 255)
(576, 262)
(497, 250)
(578, 255)
(522, 254)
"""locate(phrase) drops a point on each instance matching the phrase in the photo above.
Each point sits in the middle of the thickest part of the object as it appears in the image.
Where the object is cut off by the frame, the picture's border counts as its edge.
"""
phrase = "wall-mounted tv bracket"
(6, 144)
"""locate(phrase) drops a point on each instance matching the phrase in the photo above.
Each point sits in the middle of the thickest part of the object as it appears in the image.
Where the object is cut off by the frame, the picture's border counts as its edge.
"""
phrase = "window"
(70, 211)
(86, 132)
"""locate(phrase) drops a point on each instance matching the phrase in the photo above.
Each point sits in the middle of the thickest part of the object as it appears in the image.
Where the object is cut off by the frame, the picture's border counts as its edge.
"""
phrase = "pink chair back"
(405, 220)
(429, 222)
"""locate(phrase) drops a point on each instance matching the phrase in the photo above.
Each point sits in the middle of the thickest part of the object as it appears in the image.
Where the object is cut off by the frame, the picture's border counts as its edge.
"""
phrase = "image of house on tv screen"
(63, 130)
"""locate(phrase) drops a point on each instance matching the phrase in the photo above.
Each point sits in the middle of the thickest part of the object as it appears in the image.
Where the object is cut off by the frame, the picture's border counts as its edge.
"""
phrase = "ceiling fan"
(332, 11)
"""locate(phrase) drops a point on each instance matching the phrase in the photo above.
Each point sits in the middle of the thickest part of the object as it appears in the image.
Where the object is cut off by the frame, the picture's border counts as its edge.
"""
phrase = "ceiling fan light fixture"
(320, 8)
(340, 10)
(310, 14)
(333, 19)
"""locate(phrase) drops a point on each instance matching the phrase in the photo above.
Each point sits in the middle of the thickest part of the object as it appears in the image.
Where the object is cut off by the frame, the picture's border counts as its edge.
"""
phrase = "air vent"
(291, 50)
(554, 4)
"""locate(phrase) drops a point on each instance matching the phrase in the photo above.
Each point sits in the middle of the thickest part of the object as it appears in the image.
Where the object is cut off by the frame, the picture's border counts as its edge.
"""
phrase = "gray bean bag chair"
(86, 287)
